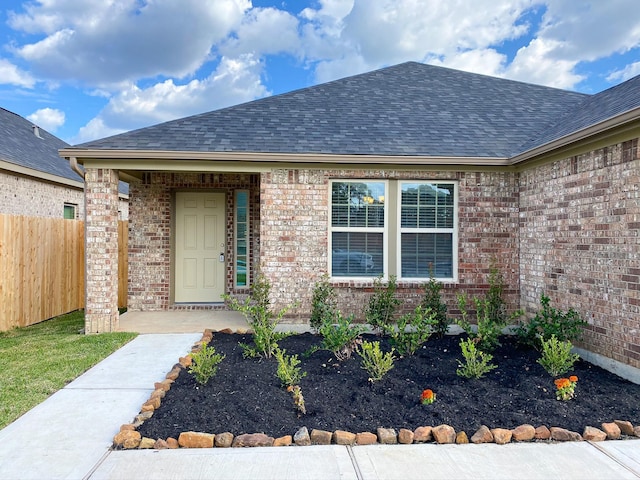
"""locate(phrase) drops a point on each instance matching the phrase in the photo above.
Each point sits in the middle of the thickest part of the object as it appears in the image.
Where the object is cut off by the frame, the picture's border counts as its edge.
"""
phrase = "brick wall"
(101, 250)
(21, 195)
(580, 224)
(294, 236)
(150, 233)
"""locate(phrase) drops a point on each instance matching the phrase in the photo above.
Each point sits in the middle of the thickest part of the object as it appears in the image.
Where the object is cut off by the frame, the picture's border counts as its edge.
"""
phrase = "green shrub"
(433, 301)
(556, 357)
(205, 363)
(476, 362)
(413, 329)
(263, 321)
(549, 322)
(342, 337)
(488, 330)
(374, 361)
(496, 308)
(323, 303)
(288, 370)
(382, 304)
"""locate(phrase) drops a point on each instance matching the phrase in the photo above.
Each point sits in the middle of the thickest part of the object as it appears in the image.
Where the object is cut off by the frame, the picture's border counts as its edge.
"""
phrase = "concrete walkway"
(69, 435)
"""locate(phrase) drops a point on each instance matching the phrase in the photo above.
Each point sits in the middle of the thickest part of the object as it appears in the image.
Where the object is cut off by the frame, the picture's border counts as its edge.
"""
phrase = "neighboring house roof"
(411, 109)
(34, 151)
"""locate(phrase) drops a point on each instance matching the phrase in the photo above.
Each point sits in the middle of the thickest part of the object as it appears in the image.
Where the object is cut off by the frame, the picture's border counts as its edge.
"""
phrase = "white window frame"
(246, 239)
(384, 230)
(453, 231)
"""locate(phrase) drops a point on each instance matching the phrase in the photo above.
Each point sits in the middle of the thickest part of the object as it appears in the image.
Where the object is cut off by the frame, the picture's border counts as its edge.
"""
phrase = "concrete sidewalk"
(69, 435)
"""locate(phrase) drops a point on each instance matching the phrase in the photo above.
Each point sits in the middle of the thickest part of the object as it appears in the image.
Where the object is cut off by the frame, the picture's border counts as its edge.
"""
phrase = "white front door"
(200, 247)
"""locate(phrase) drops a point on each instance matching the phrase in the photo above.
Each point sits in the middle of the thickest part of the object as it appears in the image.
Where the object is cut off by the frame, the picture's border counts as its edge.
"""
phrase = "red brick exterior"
(101, 250)
(567, 228)
(579, 227)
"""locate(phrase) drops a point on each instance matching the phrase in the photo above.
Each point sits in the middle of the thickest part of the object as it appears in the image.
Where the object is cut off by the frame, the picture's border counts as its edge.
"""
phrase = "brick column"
(101, 250)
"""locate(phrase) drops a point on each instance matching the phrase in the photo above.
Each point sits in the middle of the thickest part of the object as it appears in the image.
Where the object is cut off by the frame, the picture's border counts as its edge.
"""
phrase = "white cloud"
(12, 75)
(234, 81)
(48, 118)
(626, 73)
(107, 42)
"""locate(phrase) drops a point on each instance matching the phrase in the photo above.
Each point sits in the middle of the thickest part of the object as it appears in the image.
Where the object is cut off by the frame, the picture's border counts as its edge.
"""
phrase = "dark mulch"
(246, 397)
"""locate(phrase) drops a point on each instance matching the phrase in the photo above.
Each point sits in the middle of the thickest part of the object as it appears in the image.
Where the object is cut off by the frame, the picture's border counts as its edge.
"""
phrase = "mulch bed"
(246, 396)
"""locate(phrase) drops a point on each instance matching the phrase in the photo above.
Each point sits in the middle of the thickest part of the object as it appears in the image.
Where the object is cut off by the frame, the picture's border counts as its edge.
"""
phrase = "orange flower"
(573, 378)
(562, 383)
(427, 397)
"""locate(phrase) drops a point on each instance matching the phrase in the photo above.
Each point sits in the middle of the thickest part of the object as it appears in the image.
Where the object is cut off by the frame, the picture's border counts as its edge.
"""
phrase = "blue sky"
(86, 69)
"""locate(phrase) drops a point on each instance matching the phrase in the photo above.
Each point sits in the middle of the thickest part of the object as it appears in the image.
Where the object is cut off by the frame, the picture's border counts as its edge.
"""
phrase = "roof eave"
(83, 154)
(610, 125)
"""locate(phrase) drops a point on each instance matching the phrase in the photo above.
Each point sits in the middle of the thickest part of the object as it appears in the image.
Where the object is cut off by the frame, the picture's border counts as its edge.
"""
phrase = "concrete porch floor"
(191, 321)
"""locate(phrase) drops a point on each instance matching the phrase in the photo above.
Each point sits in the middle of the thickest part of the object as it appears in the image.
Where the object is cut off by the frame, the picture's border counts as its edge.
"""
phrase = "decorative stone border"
(129, 438)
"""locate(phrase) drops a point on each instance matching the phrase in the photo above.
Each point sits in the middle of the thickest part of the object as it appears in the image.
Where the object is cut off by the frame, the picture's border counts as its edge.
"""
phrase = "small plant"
(374, 361)
(298, 399)
(323, 303)
(263, 321)
(550, 321)
(205, 363)
(496, 308)
(342, 337)
(433, 301)
(288, 370)
(488, 331)
(382, 304)
(427, 397)
(476, 362)
(556, 357)
(565, 387)
(413, 329)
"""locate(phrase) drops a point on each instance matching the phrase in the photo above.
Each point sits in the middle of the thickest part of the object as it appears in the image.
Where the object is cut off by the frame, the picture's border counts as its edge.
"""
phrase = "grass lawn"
(38, 360)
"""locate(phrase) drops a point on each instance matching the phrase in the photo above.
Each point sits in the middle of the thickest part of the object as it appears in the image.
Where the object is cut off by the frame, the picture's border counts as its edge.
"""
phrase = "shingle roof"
(20, 146)
(407, 109)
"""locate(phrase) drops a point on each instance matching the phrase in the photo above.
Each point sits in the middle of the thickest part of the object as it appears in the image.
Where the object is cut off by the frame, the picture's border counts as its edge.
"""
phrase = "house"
(34, 179)
(385, 173)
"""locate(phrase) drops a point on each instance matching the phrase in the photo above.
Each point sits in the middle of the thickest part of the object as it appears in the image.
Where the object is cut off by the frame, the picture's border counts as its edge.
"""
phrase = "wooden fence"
(42, 268)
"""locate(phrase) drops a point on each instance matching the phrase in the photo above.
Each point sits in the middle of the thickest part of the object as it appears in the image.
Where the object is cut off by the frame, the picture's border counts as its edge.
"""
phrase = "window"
(358, 235)
(241, 238)
(69, 212)
(427, 233)
(403, 228)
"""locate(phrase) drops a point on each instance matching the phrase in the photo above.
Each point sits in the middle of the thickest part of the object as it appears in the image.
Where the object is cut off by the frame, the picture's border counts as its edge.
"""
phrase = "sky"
(87, 69)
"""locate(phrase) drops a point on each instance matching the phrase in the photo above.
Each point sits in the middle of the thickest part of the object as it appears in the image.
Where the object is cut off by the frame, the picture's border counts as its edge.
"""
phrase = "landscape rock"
(196, 440)
(301, 437)
(147, 443)
(320, 437)
(422, 435)
(185, 361)
(563, 435)
(158, 393)
(594, 434)
(482, 435)
(366, 438)
(141, 417)
(283, 441)
(501, 436)
(405, 436)
(387, 436)
(340, 437)
(161, 444)
(612, 430)
(164, 385)
(127, 426)
(223, 440)
(462, 438)
(626, 428)
(172, 443)
(152, 402)
(542, 433)
(173, 374)
(636, 431)
(523, 433)
(127, 439)
(253, 440)
(444, 434)
(225, 330)
(147, 408)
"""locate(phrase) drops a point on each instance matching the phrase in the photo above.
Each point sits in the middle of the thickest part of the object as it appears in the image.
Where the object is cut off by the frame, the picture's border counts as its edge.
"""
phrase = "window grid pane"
(241, 239)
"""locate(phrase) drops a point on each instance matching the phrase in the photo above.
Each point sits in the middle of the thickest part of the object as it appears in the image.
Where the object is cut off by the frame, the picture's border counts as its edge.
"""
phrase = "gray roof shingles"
(408, 109)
